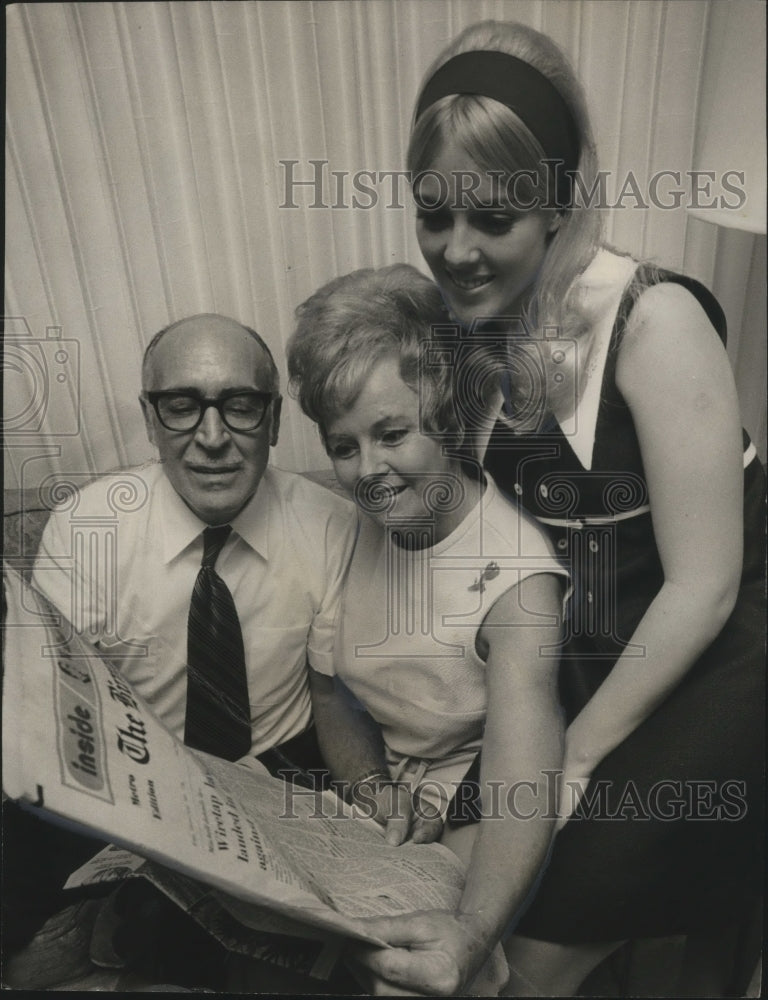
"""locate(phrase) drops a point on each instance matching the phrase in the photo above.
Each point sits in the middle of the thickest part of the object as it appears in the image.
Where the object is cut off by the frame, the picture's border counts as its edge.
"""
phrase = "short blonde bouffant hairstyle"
(354, 322)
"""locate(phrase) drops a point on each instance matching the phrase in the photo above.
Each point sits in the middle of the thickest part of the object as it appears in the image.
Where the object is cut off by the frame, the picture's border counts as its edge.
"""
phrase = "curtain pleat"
(164, 159)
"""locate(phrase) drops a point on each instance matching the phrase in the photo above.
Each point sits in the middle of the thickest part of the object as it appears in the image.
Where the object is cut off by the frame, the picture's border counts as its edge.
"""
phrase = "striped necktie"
(218, 711)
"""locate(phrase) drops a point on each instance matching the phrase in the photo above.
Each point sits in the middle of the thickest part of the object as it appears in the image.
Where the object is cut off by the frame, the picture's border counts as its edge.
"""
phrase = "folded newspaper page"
(247, 928)
(211, 907)
(79, 744)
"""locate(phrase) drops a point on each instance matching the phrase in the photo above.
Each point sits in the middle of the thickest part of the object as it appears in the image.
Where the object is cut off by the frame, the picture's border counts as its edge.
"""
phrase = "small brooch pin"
(490, 572)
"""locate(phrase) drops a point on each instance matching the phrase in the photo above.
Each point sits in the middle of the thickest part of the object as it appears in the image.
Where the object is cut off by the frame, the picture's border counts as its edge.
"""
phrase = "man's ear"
(277, 405)
(149, 419)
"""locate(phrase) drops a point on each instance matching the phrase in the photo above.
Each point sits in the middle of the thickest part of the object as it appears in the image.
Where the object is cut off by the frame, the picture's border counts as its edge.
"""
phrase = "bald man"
(211, 404)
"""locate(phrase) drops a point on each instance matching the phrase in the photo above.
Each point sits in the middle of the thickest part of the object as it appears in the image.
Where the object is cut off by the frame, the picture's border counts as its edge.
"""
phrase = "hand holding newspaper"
(80, 745)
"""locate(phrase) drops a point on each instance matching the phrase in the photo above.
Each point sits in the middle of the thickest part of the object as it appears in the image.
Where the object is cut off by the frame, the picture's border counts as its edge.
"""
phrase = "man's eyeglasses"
(184, 411)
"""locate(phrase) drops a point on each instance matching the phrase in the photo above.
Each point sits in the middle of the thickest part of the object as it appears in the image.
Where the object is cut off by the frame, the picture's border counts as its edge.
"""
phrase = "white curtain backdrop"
(147, 150)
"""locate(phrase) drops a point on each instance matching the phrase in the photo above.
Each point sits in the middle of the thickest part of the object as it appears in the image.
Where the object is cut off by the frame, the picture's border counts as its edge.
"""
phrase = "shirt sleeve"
(63, 579)
(341, 531)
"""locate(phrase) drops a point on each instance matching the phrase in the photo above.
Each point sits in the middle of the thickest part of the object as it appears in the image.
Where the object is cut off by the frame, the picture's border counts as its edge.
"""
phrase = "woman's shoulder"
(666, 301)
(670, 343)
(649, 290)
(668, 316)
(661, 296)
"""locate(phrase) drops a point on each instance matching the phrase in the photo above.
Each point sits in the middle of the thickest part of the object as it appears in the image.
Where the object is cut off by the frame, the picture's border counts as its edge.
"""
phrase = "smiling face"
(379, 436)
(484, 253)
(214, 470)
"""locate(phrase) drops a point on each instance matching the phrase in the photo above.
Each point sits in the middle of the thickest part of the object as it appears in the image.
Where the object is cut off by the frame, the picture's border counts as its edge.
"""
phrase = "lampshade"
(730, 133)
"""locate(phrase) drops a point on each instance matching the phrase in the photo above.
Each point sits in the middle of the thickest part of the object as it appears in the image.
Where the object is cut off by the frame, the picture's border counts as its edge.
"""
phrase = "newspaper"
(78, 743)
(247, 928)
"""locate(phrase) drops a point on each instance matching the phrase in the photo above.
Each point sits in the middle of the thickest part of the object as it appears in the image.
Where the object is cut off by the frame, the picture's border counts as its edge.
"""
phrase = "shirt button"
(518, 489)
(544, 491)
(589, 596)
(593, 546)
(563, 543)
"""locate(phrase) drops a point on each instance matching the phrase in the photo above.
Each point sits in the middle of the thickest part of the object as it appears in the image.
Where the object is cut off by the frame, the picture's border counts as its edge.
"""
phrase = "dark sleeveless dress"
(671, 840)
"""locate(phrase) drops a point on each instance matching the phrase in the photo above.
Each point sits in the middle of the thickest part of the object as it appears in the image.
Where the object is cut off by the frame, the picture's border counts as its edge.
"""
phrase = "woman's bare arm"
(675, 376)
(352, 747)
(438, 952)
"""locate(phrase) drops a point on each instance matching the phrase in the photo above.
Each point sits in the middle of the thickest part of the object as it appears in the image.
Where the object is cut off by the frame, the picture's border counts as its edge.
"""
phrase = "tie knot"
(213, 542)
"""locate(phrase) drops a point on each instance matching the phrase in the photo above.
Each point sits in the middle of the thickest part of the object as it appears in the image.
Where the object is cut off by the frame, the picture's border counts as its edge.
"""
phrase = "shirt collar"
(181, 527)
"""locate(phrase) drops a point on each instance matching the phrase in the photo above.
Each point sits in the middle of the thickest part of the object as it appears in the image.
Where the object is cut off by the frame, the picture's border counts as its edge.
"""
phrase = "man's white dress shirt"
(120, 561)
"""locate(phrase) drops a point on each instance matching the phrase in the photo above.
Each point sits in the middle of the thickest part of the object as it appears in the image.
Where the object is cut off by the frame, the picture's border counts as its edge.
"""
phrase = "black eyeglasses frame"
(153, 397)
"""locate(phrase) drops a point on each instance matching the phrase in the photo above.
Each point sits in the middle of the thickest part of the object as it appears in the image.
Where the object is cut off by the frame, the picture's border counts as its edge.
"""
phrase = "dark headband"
(526, 91)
